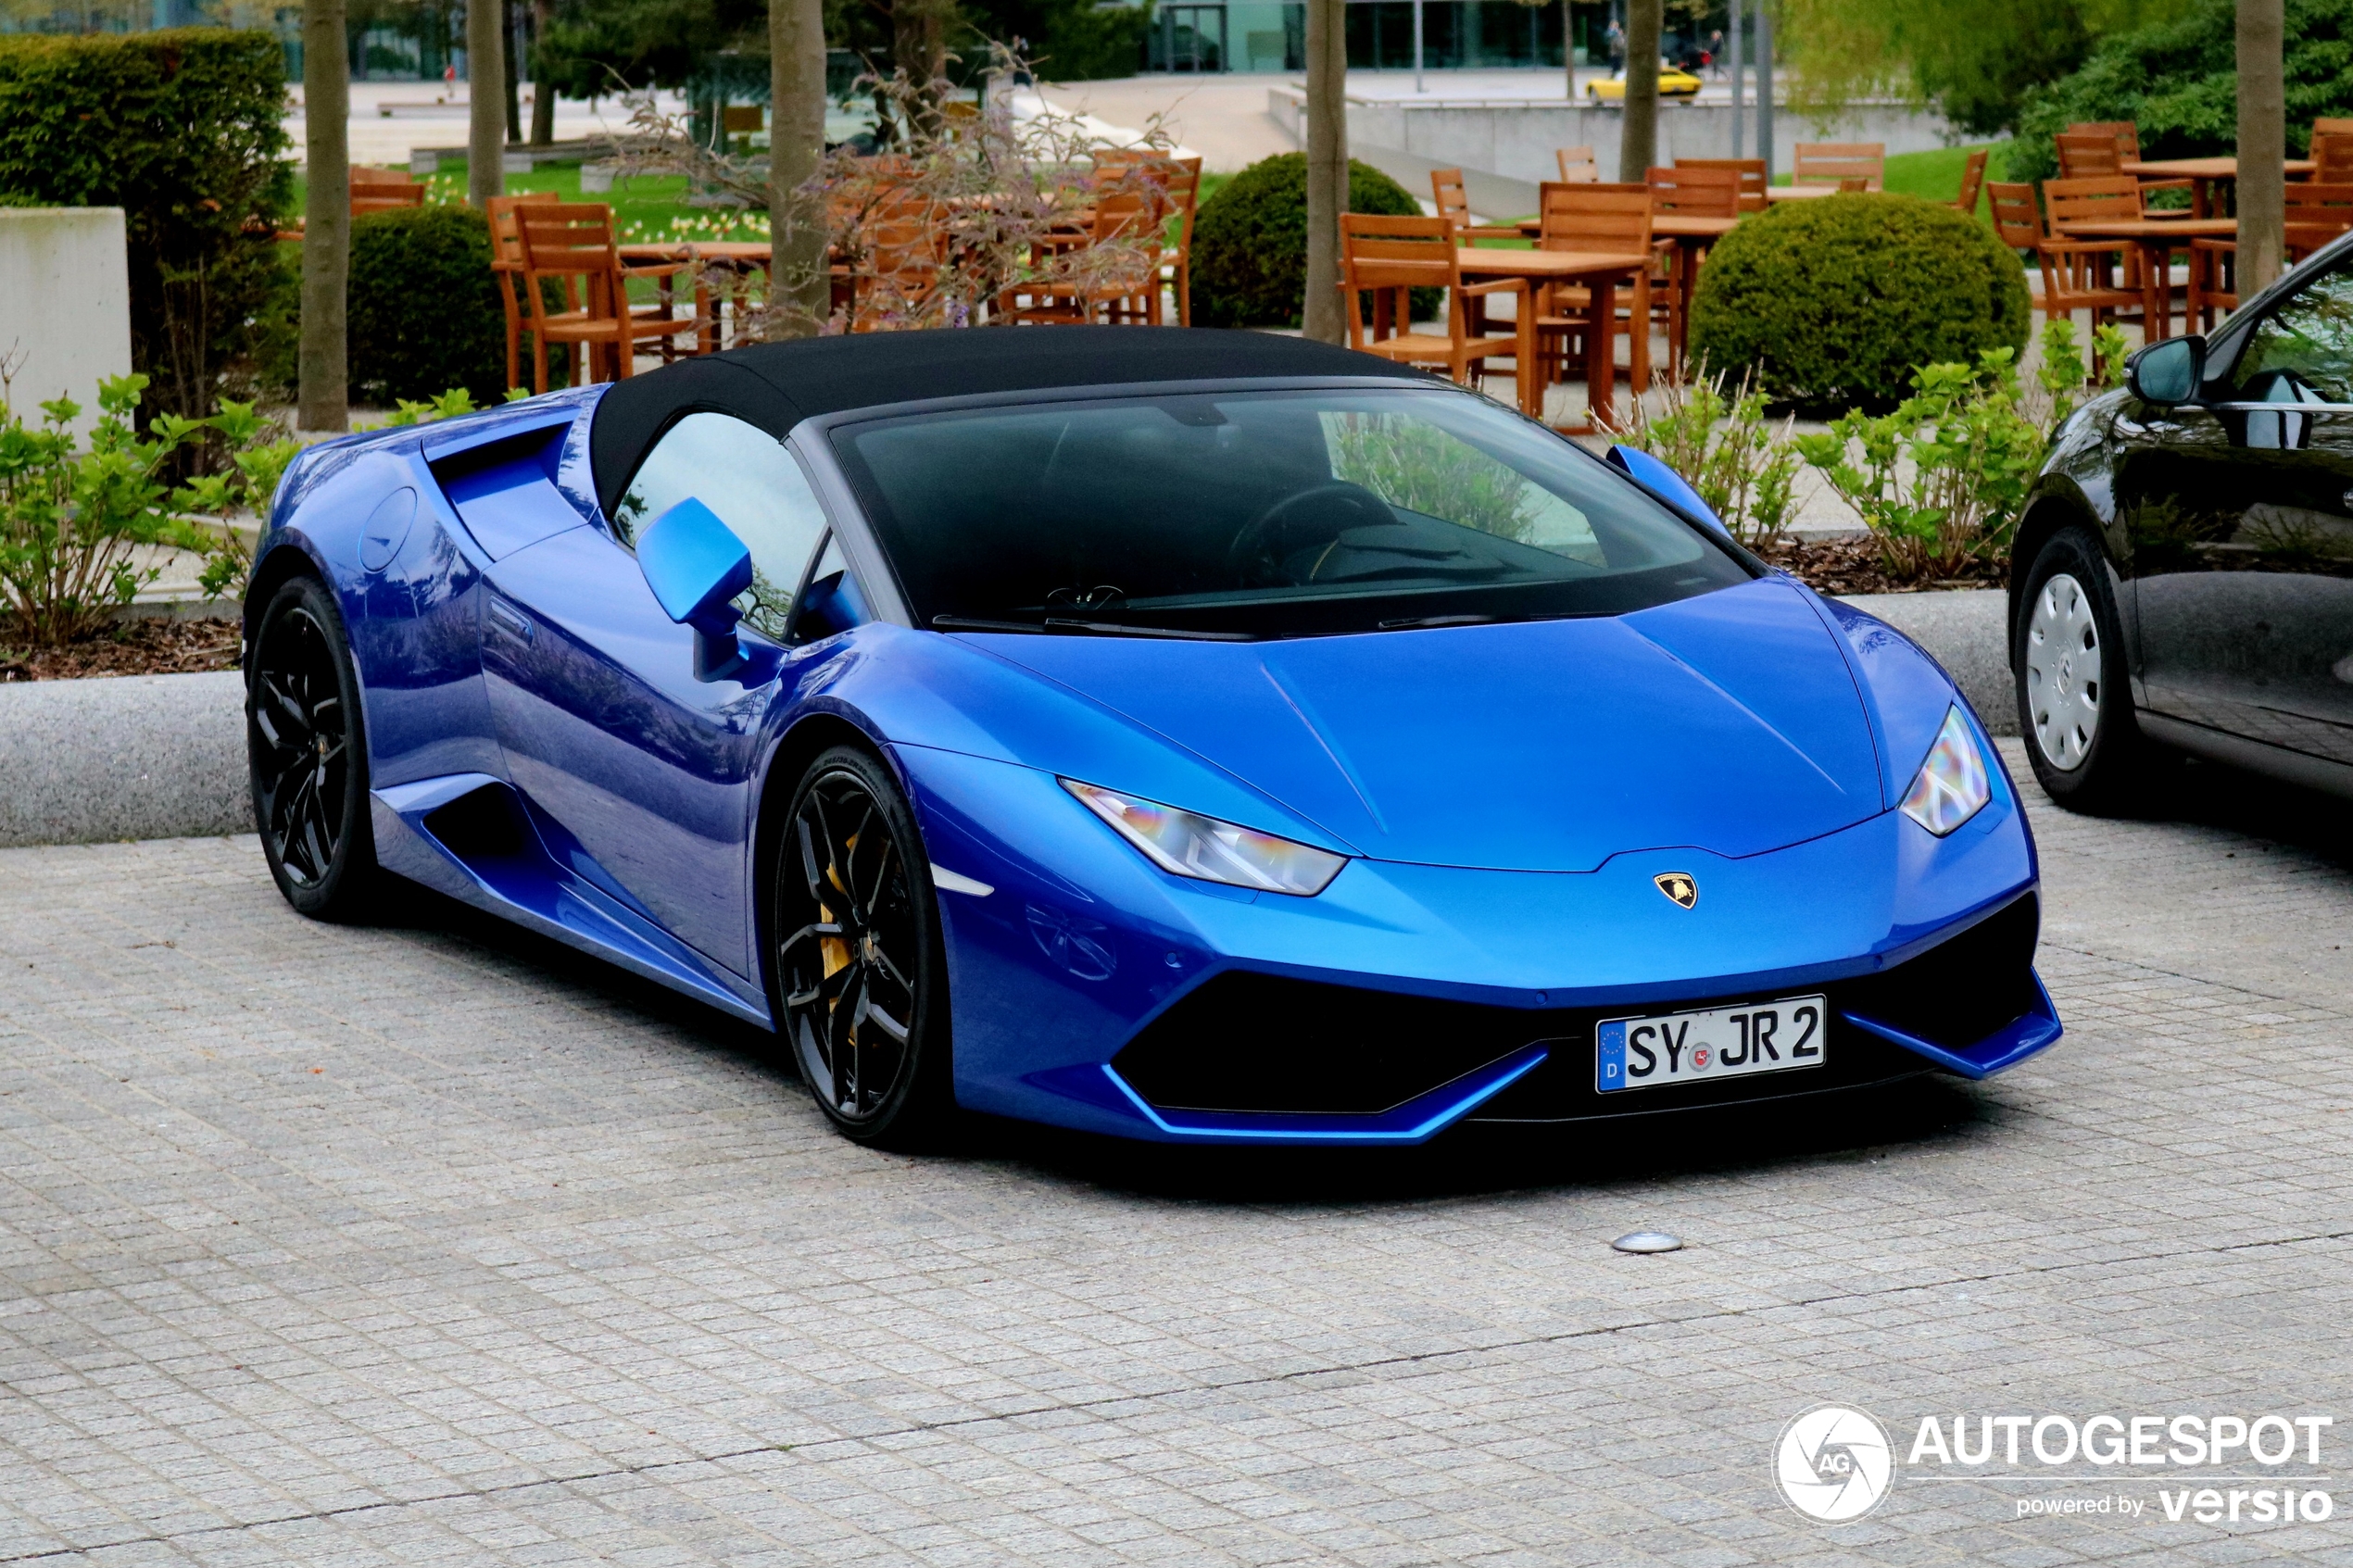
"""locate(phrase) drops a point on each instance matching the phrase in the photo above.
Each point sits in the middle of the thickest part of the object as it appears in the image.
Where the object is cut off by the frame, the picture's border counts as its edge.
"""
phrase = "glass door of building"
(1189, 38)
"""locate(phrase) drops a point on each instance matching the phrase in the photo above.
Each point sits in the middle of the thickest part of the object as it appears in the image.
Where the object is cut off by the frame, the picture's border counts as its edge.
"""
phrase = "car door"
(639, 775)
(2240, 514)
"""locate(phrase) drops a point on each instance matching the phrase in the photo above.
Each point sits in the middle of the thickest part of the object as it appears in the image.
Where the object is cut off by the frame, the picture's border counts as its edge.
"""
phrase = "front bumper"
(1091, 990)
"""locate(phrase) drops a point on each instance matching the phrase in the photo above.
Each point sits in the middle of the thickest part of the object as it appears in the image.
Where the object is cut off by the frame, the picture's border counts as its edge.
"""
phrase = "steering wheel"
(1261, 540)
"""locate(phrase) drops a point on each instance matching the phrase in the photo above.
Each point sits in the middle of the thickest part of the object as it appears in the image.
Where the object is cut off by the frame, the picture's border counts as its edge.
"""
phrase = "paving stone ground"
(427, 1243)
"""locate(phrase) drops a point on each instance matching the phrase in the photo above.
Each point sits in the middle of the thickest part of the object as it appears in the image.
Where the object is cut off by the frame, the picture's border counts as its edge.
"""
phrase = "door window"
(2303, 351)
(756, 487)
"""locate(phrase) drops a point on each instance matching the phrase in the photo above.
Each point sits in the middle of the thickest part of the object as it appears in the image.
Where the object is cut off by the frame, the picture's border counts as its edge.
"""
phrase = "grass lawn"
(647, 207)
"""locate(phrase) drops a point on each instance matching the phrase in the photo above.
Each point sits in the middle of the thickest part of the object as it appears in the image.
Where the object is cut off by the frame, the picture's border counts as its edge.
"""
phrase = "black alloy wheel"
(862, 992)
(2074, 688)
(306, 753)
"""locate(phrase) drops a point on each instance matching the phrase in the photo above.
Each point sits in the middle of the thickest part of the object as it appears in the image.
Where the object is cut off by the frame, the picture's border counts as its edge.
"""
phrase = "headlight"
(1203, 847)
(1951, 786)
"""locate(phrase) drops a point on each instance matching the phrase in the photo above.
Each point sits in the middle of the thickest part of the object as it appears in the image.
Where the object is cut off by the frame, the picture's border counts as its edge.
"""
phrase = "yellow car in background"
(1672, 83)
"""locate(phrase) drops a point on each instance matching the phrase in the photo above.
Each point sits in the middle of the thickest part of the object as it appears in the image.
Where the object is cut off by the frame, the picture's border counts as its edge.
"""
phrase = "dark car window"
(746, 476)
(1264, 514)
(2306, 342)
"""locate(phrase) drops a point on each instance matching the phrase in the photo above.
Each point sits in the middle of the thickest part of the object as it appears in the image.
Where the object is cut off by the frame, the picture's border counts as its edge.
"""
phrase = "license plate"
(1686, 1048)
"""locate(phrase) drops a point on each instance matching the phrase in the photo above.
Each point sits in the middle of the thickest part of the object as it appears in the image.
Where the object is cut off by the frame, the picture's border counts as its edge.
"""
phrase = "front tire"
(306, 753)
(2074, 690)
(862, 982)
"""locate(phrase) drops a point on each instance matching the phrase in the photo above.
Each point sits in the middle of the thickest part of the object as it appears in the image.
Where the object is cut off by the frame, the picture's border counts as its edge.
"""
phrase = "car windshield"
(1263, 514)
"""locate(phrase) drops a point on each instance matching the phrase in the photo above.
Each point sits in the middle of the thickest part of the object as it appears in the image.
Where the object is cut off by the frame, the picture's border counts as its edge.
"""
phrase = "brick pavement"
(432, 1244)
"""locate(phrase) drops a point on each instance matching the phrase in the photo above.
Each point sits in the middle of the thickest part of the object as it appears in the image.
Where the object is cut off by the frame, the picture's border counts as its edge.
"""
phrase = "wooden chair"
(383, 190)
(2075, 272)
(1831, 163)
(571, 245)
(1694, 192)
(1177, 181)
(1130, 216)
(2099, 151)
(1393, 256)
(1688, 193)
(896, 267)
(2325, 126)
(1973, 183)
(2123, 133)
(2316, 214)
(2332, 159)
(2105, 196)
(1579, 166)
(506, 264)
(1751, 171)
(1183, 185)
(1453, 204)
(1595, 216)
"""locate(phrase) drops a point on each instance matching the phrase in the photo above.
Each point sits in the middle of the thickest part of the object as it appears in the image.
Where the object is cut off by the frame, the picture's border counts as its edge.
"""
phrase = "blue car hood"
(1729, 723)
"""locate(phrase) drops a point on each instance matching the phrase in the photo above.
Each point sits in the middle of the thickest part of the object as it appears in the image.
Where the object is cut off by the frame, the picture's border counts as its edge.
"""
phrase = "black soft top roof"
(776, 385)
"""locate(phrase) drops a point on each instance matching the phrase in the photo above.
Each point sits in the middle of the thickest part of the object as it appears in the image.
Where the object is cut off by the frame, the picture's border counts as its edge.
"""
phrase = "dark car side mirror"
(1665, 484)
(696, 566)
(2167, 372)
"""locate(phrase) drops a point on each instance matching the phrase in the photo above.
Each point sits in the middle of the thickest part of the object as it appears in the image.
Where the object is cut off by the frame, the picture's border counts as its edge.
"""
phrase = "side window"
(2302, 352)
(744, 475)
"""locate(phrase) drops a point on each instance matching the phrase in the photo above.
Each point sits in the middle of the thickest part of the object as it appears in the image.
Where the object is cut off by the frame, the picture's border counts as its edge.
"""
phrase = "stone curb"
(122, 756)
(163, 756)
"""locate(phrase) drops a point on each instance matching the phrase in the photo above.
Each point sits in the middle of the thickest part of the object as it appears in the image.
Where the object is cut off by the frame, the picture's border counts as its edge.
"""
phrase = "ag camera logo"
(1833, 1464)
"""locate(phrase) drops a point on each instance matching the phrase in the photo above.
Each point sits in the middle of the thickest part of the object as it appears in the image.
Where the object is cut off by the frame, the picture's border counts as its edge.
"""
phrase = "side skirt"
(470, 836)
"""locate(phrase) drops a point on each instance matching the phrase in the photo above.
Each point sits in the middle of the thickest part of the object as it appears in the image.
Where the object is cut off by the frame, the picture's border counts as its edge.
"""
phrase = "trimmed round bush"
(1835, 302)
(1250, 242)
(424, 311)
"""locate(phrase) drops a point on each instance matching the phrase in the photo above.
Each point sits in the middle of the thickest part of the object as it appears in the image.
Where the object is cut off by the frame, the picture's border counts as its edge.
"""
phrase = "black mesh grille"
(1258, 1043)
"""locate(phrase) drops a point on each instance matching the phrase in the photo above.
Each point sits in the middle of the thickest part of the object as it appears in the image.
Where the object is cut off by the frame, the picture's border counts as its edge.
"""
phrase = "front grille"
(1260, 1044)
(1245, 1042)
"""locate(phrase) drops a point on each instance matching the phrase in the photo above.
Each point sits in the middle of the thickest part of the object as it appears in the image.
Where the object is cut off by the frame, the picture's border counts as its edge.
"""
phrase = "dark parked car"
(2185, 566)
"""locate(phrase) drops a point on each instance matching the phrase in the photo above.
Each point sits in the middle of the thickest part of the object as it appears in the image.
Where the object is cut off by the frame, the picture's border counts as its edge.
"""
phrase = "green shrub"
(2178, 82)
(423, 310)
(1835, 301)
(1250, 242)
(180, 128)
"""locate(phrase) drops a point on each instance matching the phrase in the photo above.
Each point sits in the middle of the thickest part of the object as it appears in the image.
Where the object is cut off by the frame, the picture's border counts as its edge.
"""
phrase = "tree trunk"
(919, 47)
(1638, 143)
(1327, 165)
(509, 33)
(324, 401)
(542, 81)
(487, 116)
(797, 280)
(2262, 146)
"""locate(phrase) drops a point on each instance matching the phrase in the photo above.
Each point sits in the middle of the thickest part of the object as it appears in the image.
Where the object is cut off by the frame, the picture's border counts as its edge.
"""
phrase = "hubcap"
(301, 762)
(2063, 673)
(849, 963)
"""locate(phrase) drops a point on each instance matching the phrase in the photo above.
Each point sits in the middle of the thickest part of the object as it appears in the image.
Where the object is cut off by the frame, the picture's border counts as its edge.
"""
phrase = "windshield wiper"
(1105, 628)
(1413, 623)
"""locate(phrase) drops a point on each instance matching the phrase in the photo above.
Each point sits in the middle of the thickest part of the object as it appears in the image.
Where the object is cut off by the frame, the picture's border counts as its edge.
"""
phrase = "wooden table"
(1598, 271)
(2205, 175)
(1798, 192)
(740, 256)
(1693, 236)
(2157, 239)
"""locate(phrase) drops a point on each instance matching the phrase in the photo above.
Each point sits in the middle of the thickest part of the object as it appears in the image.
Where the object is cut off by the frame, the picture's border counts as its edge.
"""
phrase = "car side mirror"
(1665, 484)
(696, 567)
(2167, 372)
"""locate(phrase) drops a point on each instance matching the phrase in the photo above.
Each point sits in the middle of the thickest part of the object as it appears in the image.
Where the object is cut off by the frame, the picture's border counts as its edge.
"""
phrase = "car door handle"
(510, 619)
